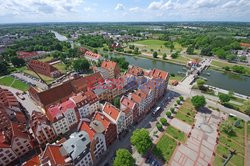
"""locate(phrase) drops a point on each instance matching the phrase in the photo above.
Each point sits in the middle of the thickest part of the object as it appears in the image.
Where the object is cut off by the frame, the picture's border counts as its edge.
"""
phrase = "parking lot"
(29, 79)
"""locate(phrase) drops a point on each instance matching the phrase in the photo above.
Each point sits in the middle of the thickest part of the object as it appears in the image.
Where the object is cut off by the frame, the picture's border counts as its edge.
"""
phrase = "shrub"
(159, 126)
(164, 121)
(168, 114)
(172, 110)
(178, 102)
(181, 98)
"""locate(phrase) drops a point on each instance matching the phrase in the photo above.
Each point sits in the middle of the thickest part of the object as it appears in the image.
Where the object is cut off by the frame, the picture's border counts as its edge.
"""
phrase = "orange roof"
(111, 110)
(85, 126)
(138, 96)
(4, 142)
(103, 119)
(7, 98)
(92, 55)
(24, 54)
(34, 161)
(52, 152)
(19, 130)
(108, 65)
(245, 44)
(156, 73)
(135, 70)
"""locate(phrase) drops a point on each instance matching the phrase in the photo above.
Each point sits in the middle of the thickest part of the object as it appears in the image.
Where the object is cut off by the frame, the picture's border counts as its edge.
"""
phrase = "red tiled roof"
(85, 126)
(52, 152)
(136, 71)
(127, 102)
(138, 96)
(245, 45)
(19, 130)
(92, 55)
(4, 142)
(111, 110)
(156, 73)
(102, 118)
(34, 161)
(25, 54)
(108, 65)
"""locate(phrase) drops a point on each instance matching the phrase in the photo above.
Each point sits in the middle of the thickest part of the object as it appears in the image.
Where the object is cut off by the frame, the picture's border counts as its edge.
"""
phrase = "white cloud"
(155, 5)
(134, 9)
(119, 6)
(27, 7)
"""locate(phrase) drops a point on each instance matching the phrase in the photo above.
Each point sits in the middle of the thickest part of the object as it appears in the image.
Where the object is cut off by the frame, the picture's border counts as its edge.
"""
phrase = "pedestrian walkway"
(182, 126)
(199, 148)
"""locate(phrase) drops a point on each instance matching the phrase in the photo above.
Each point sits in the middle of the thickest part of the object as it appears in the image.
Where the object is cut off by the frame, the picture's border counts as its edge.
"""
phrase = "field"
(231, 142)
(45, 78)
(216, 64)
(145, 46)
(11, 82)
(61, 67)
(46, 59)
(165, 148)
(186, 112)
(177, 134)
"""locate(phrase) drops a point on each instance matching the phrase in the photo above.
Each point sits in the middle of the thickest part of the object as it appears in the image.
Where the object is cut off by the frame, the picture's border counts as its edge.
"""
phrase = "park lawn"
(45, 78)
(180, 59)
(6, 81)
(177, 134)
(224, 151)
(232, 145)
(165, 148)
(151, 43)
(14, 83)
(221, 64)
(177, 46)
(218, 160)
(184, 118)
(61, 67)
(248, 130)
(46, 59)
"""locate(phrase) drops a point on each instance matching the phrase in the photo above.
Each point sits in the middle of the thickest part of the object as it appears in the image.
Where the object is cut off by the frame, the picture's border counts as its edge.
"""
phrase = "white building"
(86, 103)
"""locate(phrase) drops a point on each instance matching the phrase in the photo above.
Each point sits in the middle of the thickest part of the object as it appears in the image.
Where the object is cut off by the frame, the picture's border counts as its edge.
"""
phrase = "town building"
(14, 144)
(43, 68)
(131, 110)
(86, 103)
(112, 67)
(34, 161)
(91, 56)
(115, 115)
(108, 127)
(160, 75)
(8, 99)
(95, 130)
(41, 128)
(56, 95)
(136, 71)
(30, 55)
(77, 149)
(62, 116)
(141, 99)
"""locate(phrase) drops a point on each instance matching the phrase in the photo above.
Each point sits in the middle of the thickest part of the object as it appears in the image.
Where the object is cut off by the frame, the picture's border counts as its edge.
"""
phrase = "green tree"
(174, 55)
(190, 50)
(155, 54)
(3, 68)
(228, 128)
(159, 126)
(141, 140)
(200, 83)
(246, 107)
(124, 157)
(198, 101)
(164, 121)
(168, 114)
(164, 56)
(181, 98)
(17, 62)
(116, 101)
(224, 97)
(231, 57)
(238, 69)
(81, 65)
(221, 53)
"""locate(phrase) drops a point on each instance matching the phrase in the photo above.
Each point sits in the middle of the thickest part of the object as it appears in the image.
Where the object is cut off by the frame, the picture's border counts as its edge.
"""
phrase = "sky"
(24, 11)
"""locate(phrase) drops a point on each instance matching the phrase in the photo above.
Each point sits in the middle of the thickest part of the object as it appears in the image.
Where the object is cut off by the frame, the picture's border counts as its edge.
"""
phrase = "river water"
(227, 81)
(59, 36)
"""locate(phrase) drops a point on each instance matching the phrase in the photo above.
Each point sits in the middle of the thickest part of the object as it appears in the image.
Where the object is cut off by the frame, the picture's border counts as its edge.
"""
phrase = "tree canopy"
(123, 157)
(141, 140)
(155, 54)
(246, 107)
(198, 101)
(81, 65)
(17, 62)
(224, 97)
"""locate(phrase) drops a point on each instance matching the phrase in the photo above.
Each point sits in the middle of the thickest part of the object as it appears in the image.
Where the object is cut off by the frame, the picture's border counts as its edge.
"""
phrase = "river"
(59, 36)
(227, 81)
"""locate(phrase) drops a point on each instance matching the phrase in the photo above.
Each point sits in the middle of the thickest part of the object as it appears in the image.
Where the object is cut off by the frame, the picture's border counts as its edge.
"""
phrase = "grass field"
(165, 148)
(177, 134)
(11, 82)
(234, 141)
(216, 64)
(186, 112)
(46, 59)
(61, 67)
(176, 77)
